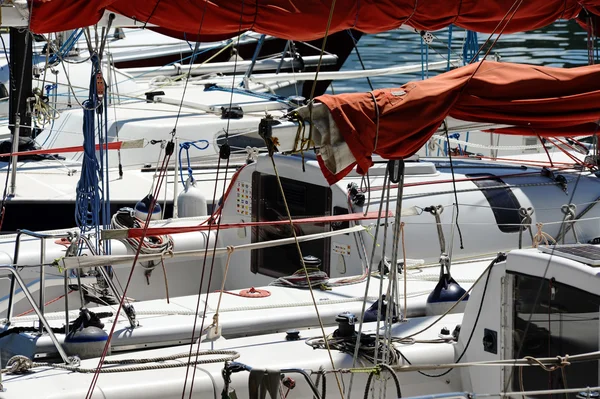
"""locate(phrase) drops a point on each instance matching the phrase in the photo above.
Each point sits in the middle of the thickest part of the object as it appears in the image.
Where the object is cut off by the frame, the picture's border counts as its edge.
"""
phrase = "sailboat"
(573, 93)
(255, 179)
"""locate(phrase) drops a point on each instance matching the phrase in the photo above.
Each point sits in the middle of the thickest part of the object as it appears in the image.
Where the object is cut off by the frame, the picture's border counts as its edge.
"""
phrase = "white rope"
(21, 364)
(43, 112)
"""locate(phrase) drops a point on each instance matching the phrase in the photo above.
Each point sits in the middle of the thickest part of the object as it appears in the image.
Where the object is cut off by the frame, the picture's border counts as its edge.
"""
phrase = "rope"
(404, 271)
(289, 216)
(377, 371)
(159, 244)
(541, 237)
(460, 237)
(312, 95)
(186, 146)
(299, 279)
(224, 153)
(21, 364)
(526, 220)
(88, 200)
(215, 324)
(589, 206)
(43, 111)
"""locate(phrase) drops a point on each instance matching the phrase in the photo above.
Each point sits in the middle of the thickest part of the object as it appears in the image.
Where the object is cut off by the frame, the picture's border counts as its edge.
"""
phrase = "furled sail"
(395, 123)
(308, 19)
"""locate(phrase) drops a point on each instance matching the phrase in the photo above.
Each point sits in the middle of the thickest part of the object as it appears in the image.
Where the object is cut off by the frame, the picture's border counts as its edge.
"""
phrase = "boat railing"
(111, 285)
(15, 277)
(75, 241)
(42, 300)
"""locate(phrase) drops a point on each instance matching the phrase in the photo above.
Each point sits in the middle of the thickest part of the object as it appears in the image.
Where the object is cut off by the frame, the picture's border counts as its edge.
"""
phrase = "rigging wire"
(314, 85)
(8, 170)
(359, 57)
(224, 152)
(151, 14)
(460, 237)
(540, 289)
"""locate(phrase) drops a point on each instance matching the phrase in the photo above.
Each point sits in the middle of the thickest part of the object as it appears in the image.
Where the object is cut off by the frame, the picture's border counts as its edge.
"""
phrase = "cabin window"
(503, 202)
(304, 200)
(3, 92)
(551, 319)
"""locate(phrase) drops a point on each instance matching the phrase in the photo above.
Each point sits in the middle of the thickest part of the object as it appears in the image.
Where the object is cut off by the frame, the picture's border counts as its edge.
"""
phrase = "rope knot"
(230, 249)
(563, 361)
(19, 364)
(542, 237)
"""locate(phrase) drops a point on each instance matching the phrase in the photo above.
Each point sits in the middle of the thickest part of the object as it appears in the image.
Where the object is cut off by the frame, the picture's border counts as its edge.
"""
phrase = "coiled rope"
(21, 364)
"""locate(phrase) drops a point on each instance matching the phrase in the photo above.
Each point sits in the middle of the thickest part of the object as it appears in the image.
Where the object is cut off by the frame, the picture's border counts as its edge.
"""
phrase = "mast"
(20, 90)
(21, 81)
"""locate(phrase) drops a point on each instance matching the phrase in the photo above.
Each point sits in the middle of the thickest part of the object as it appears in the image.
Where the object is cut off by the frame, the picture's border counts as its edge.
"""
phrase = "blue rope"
(422, 60)
(67, 46)
(449, 47)
(426, 60)
(453, 136)
(186, 146)
(93, 199)
(470, 48)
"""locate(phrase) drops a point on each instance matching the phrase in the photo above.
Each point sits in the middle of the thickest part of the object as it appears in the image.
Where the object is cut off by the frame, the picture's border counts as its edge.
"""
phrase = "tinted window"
(304, 200)
(503, 202)
(551, 319)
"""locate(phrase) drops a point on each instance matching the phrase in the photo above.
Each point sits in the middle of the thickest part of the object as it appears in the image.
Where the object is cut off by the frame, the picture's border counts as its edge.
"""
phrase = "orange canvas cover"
(535, 100)
(307, 19)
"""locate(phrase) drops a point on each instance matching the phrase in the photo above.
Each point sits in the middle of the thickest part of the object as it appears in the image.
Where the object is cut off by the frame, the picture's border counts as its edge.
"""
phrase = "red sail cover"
(536, 100)
(307, 19)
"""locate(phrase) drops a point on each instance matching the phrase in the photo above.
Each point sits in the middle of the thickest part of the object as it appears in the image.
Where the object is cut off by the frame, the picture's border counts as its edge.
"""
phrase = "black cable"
(454, 187)
(499, 258)
(368, 384)
(4, 194)
(359, 57)
(394, 377)
(224, 150)
(150, 16)
(539, 292)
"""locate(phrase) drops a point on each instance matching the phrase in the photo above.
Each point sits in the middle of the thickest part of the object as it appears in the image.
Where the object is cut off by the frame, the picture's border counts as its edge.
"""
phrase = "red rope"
(115, 145)
(573, 157)
(45, 304)
(426, 183)
(530, 162)
(161, 177)
(137, 232)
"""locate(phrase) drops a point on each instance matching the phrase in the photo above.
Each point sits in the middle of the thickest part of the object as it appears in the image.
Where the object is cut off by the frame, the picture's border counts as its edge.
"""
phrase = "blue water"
(563, 44)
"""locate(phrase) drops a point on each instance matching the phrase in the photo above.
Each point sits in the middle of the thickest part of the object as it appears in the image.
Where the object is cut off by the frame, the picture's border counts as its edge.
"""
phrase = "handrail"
(11, 291)
(15, 275)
